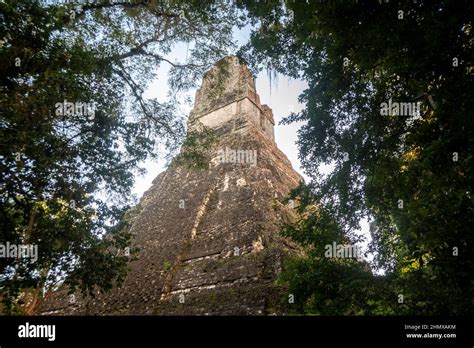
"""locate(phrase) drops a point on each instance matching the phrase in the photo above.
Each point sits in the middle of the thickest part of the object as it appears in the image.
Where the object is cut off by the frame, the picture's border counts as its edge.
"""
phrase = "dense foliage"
(66, 175)
(410, 174)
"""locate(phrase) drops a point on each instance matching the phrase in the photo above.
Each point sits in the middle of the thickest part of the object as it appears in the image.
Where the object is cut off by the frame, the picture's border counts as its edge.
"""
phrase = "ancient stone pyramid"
(209, 239)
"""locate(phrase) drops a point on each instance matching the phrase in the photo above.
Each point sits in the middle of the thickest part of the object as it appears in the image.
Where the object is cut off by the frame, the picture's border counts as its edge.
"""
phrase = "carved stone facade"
(228, 92)
(209, 239)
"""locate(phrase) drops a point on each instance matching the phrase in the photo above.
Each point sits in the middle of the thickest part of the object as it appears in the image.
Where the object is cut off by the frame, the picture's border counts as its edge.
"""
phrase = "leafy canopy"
(411, 176)
(66, 177)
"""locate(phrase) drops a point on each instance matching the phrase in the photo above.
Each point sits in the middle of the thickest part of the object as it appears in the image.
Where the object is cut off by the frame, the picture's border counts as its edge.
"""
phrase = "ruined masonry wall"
(208, 240)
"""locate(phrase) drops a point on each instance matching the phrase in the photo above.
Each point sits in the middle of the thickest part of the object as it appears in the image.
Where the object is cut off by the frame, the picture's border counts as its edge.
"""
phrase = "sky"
(280, 94)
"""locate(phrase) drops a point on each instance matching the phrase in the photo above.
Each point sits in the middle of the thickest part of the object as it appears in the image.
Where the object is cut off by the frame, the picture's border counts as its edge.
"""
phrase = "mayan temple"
(208, 239)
